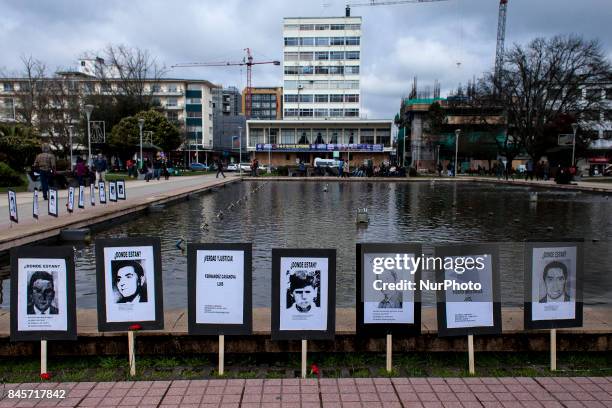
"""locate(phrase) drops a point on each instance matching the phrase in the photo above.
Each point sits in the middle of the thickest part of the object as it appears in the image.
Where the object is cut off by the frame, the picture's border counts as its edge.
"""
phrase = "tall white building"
(321, 63)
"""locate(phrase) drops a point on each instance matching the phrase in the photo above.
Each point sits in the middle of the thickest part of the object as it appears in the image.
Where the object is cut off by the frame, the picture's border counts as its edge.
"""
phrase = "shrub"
(282, 170)
(9, 177)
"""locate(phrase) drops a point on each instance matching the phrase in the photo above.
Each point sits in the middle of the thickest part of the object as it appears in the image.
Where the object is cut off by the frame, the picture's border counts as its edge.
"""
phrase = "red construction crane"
(248, 61)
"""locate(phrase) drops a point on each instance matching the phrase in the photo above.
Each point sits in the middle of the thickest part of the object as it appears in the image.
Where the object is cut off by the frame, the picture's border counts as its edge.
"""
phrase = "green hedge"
(9, 177)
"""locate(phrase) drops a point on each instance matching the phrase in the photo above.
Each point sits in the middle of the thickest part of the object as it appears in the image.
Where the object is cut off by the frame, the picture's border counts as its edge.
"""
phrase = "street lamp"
(70, 129)
(575, 127)
(457, 133)
(140, 123)
(240, 158)
(88, 109)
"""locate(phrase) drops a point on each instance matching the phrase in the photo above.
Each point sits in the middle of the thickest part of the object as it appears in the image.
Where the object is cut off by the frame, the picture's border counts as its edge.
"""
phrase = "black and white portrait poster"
(304, 282)
(53, 204)
(121, 194)
(70, 206)
(383, 305)
(35, 207)
(471, 303)
(102, 192)
(92, 195)
(42, 293)
(112, 191)
(12, 198)
(129, 282)
(552, 284)
(81, 196)
(219, 288)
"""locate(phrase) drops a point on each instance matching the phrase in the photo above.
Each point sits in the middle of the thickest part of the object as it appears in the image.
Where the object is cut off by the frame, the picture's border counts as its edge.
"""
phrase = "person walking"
(219, 168)
(100, 165)
(80, 170)
(345, 169)
(340, 168)
(148, 170)
(44, 165)
(157, 166)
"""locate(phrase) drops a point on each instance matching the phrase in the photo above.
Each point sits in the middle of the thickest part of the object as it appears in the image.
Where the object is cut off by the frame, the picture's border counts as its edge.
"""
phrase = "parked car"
(232, 167)
(198, 167)
(245, 166)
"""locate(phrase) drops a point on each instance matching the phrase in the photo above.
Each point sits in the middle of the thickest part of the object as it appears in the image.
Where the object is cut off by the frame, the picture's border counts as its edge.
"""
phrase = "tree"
(125, 136)
(19, 145)
(544, 80)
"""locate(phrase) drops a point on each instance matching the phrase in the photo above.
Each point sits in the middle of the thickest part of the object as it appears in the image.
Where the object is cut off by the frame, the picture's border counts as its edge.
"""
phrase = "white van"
(319, 162)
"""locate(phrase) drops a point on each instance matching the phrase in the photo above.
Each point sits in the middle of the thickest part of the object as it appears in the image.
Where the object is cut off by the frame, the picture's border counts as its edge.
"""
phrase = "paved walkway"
(472, 392)
(139, 194)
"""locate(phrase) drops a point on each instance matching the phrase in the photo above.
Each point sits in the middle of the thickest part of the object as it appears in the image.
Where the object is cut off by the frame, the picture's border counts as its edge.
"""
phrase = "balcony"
(178, 106)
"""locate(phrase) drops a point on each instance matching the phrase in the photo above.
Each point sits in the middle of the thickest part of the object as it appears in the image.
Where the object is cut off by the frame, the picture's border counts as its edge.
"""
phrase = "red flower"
(135, 327)
(45, 376)
(314, 370)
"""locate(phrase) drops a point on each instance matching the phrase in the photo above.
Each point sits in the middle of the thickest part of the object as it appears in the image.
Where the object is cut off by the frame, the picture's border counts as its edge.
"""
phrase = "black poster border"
(375, 329)
(81, 197)
(56, 203)
(103, 324)
(463, 250)
(65, 253)
(70, 206)
(194, 328)
(124, 195)
(530, 245)
(112, 184)
(277, 334)
(102, 188)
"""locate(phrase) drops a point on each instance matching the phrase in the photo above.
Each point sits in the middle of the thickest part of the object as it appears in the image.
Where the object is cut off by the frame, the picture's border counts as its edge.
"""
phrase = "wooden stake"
(553, 350)
(132, 352)
(389, 353)
(304, 357)
(43, 356)
(221, 354)
(472, 370)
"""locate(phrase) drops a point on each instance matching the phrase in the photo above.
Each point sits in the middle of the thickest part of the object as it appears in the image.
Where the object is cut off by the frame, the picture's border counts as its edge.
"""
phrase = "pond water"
(302, 215)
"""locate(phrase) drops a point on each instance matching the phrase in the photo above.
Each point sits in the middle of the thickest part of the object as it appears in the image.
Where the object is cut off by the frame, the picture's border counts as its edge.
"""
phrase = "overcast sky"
(398, 42)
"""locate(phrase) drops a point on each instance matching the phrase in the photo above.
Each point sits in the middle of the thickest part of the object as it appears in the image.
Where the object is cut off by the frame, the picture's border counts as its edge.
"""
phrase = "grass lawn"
(287, 365)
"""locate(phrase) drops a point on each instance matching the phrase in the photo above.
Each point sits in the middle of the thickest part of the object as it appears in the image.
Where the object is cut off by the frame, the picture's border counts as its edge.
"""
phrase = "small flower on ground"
(45, 376)
(314, 370)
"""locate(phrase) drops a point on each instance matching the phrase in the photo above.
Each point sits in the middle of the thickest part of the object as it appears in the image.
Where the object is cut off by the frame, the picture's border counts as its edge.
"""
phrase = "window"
(306, 56)
(336, 70)
(306, 70)
(172, 88)
(291, 98)
(352, 40)
(304, 136)
(352, 112)
(322, 70)
(155, 88)
(288, 136)
(351, 84)
(306, 112)
(195, 101)
(367, 136)
(320, 136)
(352, 26)
(349, 135)
(307, 41)
(290, 113)
(255, 137)
(337, 27)
(272, 136)
(336, 98)
(321, 113)
(322, 98)
(306, 98)
(291, 41)
(383, 137)
(351, 69)
(89, 87)
(352, 55)
(193, 129)
(8, 87)
(335, 112)
(291, 70)
(351, 98)
(171, 102)
(291, 56)
(210, 117)
(291, 27)
(321, 55)
(106, 88)
(307, 27)
(336, 55)
(336, 41)
(172, 115)
(194, 114)
(321, 26)
(322, 41)
(334, 136)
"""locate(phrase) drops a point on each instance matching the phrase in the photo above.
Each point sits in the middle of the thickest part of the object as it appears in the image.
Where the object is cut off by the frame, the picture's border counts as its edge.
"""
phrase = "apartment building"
(266, 103)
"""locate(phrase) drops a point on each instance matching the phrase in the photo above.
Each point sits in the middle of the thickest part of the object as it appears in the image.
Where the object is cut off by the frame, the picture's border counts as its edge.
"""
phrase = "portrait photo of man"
(41, 294)
(554, 278)
(129, 281)
(303, 291)
(391, 299)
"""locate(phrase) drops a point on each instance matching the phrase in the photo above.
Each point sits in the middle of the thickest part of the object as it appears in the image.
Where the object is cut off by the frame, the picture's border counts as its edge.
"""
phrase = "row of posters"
(116, 191)
(389, 286)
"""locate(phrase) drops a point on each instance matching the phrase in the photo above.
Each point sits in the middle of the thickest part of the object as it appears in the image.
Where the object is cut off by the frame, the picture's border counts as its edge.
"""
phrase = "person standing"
(80, 171)
(345, 169)
(219, 168)
(44, 164)
(157, 165)
(340, 168)
(100, 165)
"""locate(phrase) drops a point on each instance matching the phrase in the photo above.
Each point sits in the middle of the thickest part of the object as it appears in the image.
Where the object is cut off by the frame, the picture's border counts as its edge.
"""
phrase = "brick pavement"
(544, 392)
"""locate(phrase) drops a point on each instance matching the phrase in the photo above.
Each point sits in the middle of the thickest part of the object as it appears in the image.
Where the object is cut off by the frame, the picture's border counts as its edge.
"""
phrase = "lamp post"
(140, 124)
(88, 110)
(240, 158)
(70, 129)
(457, 133)
(575, 127)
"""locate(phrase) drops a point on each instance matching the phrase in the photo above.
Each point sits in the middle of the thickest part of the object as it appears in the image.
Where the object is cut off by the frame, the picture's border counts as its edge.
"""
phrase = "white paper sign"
(121, 190)
(303, 293)
(42, 303)
(12, 197)
(70, 199)
(81, 196)
(53, 202)
(112, 191)
(470, 308)
(129, 278)
(219, 287)
(92, 195)
(35, 204)
(102, 192)
(553, 280)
